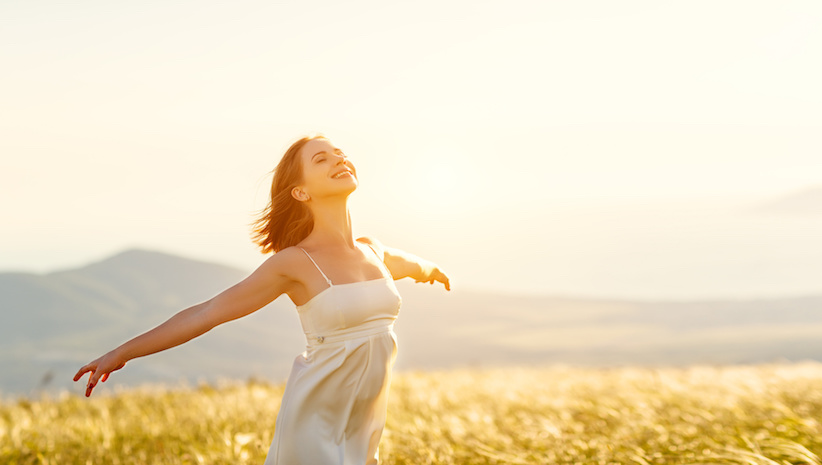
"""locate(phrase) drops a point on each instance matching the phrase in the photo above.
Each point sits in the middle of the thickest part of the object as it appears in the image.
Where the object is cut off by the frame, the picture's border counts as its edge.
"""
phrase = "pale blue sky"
(600, 148)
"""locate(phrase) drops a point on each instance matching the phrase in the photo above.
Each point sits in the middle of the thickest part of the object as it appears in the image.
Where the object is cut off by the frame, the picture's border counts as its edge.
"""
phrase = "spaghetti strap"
(317, 266)
(381, 261)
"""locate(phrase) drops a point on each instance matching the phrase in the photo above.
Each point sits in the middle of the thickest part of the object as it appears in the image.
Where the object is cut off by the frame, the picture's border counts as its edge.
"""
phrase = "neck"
(332, 223)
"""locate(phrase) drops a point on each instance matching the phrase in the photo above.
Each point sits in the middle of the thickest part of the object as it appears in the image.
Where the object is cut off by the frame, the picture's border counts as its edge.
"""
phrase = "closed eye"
(321, 159)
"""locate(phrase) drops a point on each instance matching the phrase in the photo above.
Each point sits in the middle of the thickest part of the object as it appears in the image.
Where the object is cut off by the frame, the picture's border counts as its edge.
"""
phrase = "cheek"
(316, 180)
(312, 173)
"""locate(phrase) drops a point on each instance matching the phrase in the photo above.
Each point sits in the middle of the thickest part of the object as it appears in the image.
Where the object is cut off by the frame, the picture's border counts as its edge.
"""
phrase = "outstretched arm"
(264, 285)
(402, 264)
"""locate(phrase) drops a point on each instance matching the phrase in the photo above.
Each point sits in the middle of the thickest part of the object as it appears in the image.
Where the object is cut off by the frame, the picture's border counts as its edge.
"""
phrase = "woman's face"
(326, 171)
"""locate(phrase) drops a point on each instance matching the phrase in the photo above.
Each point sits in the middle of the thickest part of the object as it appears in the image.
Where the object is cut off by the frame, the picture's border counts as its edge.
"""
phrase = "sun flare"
(438, 181)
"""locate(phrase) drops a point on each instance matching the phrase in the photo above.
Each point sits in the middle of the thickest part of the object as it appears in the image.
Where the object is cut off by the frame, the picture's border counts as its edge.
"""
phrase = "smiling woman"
(283, 222)
(334, 407)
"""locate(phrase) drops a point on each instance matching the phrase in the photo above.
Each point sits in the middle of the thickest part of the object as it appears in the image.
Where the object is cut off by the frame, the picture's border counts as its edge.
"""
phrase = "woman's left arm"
(402, 264)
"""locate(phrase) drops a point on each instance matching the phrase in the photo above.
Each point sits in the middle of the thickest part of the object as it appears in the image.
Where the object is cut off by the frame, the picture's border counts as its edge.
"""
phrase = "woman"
(334, 405)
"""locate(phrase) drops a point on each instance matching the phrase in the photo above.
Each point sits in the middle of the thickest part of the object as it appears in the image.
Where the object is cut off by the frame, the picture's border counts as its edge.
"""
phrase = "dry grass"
(767, 414)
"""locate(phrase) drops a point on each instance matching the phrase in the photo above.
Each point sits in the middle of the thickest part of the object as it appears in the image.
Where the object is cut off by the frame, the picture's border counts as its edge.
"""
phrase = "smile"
(341, 174)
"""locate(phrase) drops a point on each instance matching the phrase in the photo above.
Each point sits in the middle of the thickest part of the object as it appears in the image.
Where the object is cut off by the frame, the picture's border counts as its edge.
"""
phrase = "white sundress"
(334, 406)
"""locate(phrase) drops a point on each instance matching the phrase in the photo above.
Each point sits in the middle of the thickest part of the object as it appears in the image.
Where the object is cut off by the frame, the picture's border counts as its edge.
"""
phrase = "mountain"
(804, 202)
(52, 324)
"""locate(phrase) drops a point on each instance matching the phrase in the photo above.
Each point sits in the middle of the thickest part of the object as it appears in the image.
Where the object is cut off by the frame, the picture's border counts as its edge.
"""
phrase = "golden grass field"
(766, 414)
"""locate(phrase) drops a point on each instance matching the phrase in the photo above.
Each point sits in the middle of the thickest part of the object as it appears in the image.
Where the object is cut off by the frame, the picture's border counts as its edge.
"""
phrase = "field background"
(764, 414)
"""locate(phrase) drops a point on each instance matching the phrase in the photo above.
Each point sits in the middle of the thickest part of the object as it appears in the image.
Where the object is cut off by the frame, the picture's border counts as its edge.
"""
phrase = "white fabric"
(334, 407)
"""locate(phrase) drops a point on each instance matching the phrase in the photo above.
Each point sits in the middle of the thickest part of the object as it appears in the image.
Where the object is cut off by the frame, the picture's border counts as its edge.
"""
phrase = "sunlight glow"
(440, 179)
(558, 128)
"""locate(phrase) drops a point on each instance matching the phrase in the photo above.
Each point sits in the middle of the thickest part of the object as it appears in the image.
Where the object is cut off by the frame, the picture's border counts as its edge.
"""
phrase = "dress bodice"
(349, 307)
(359, 305)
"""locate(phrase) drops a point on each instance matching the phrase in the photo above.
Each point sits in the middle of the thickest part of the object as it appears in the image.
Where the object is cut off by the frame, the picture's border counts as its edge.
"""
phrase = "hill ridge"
(53, 323)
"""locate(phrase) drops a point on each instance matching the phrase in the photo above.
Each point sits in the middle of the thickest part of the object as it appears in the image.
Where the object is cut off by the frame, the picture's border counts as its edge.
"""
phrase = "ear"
(300, 194)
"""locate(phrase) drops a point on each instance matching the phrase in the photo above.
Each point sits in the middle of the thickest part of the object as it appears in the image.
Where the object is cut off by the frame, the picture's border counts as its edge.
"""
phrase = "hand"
(100, 369)
(438, 275)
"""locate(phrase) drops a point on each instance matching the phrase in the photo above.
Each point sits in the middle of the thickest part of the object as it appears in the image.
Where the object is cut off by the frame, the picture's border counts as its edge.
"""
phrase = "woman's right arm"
(267, 283)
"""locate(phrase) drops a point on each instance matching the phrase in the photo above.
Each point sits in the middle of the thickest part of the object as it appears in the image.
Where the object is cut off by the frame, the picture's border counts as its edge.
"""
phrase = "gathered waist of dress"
(328, 337)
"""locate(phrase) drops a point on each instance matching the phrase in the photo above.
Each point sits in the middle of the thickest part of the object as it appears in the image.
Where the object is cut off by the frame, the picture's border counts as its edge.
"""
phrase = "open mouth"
(341, 174)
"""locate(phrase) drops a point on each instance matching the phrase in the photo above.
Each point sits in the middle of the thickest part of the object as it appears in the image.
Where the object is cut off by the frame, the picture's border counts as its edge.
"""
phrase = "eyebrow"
(318, 153)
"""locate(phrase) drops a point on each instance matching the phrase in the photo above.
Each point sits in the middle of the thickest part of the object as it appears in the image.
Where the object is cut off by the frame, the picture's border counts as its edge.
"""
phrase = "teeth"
(339, 175)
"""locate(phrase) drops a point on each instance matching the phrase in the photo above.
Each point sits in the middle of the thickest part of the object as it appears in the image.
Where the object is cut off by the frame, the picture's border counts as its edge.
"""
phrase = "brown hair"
(285, 221)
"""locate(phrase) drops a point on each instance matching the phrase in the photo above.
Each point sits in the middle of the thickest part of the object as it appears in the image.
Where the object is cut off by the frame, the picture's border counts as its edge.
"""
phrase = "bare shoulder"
(372, 241)
(284, 261)
(286, 268)
(271, 279)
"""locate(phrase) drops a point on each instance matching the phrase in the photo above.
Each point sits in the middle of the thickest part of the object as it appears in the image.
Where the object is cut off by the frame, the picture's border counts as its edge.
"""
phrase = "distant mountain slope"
(125, 288)
(488, 329)
(58, 321)
(52, 324)
(804, 202)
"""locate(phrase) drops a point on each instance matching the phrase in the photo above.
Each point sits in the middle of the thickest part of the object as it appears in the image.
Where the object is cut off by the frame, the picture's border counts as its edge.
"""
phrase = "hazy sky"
(599, 148)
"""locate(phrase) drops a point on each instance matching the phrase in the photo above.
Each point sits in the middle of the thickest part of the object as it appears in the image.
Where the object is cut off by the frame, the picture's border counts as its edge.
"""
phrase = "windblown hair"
(285, 221)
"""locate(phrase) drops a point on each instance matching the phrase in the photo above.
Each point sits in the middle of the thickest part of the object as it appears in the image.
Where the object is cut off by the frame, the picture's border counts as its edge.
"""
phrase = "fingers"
(95, 376)
(90, 384)
(443, 278)
(437, 276)
(445, 282)
(91, 367)
(81, 372)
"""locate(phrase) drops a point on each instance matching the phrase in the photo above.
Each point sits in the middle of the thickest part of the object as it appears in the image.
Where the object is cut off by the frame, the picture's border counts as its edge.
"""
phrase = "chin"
(348, 189)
